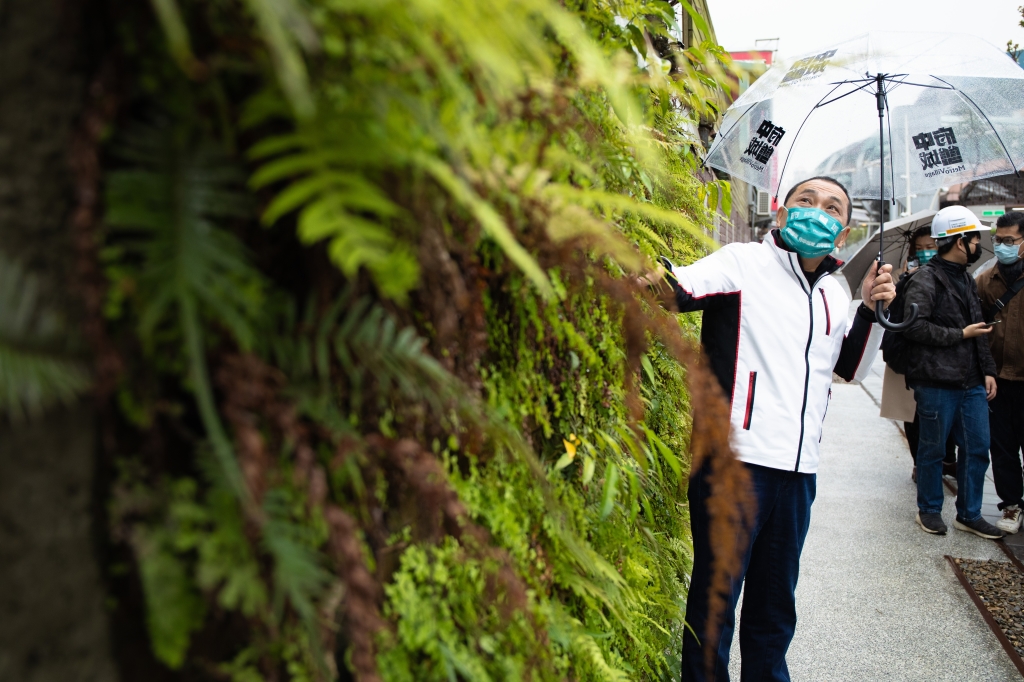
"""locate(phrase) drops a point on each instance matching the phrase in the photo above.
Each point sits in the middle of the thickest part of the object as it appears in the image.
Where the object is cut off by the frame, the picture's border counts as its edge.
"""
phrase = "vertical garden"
(376, 394)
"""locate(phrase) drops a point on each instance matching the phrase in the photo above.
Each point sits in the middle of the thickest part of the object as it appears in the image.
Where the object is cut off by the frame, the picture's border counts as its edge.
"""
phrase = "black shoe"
(981, 528)
(932, 523)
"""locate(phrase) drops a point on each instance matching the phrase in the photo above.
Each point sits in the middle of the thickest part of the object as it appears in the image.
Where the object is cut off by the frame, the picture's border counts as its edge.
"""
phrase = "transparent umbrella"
(933, 109)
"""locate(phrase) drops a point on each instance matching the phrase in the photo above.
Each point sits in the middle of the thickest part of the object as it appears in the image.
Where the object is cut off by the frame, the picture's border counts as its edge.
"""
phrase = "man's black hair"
(946, 244)
(1012, 219)
(925, 231)
(849, 202)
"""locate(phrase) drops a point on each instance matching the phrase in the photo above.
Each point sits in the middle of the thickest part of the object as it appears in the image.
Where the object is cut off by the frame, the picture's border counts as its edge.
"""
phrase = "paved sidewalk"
(876, 600)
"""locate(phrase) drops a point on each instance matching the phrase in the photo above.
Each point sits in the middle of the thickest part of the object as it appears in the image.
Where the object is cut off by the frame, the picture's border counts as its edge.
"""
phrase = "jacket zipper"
(821, 431)
(807, 360)
(750, 401)
(828, 317)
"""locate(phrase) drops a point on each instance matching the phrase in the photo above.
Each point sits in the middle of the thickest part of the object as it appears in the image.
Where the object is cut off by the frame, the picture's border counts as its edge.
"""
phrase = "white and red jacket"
(773, 340)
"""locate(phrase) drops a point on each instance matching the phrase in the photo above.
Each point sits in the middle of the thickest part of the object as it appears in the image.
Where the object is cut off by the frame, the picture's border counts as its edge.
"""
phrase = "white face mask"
(1007, 255)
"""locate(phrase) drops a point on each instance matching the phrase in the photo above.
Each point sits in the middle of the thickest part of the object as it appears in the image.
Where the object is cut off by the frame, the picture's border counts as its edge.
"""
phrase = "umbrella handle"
(880, 313)
(894, 326)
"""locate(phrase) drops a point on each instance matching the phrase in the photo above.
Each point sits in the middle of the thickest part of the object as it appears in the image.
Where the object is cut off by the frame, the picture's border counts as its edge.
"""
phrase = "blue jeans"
(964, 413)
(770, 566)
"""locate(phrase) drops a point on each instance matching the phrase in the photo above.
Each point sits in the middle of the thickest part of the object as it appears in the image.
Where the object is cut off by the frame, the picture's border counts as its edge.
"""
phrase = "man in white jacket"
(775, 328)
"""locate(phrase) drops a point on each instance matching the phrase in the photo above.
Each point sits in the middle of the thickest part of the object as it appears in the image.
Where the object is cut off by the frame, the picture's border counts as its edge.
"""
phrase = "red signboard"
(753, 56)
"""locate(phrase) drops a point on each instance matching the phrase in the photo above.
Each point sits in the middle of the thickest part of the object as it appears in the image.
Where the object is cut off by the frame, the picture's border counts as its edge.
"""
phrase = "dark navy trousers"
(769, 572)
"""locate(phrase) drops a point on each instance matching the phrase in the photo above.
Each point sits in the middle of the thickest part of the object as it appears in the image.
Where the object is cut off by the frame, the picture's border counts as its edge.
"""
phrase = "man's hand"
(990, 387)
(979, 329)
(652, 278)
(878, 286)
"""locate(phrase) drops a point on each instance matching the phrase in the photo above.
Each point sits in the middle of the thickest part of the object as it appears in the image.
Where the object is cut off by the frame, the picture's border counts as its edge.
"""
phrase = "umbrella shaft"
(880, 101)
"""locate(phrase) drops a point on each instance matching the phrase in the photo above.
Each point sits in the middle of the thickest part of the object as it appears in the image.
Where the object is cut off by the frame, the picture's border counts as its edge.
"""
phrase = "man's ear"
(841, 237)
(780, 216)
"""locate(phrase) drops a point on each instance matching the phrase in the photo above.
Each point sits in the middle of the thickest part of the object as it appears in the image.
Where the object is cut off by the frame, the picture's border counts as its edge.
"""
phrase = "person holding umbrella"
(774, 328)
(951, 371)
(942, 107)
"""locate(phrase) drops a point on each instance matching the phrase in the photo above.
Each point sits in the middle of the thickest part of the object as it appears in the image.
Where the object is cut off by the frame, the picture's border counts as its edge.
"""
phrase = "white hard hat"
(953, 221)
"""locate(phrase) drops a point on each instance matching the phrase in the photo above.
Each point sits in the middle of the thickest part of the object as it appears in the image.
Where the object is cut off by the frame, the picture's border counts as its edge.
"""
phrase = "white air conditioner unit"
(764, 202)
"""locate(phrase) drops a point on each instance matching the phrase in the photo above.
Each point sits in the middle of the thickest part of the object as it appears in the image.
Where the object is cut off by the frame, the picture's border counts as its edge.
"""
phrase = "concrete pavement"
(876, 600)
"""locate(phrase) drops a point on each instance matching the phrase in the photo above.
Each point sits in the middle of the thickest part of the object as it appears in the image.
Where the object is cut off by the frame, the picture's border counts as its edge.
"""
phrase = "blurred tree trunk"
(54, 624)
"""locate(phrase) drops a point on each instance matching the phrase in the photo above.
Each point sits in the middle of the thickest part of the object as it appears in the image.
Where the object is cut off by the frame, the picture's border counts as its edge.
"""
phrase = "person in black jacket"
(922, 249)
(951, 372)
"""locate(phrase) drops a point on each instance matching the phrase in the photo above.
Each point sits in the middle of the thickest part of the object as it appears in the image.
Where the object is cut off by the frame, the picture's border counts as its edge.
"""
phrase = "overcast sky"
(804, 25)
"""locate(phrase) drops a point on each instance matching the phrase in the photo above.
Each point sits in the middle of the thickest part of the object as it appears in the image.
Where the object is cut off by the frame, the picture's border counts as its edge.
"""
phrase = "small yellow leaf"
(570, 449)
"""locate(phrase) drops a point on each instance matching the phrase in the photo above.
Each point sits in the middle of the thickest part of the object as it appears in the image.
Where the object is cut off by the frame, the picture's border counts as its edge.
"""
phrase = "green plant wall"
(392, 405)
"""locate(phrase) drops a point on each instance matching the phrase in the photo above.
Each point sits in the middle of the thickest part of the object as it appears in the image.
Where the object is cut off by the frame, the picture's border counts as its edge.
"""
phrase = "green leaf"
(636, 37)
(649, 369)
(169, 15)
(37, 366)
(166, 204)
(610, 491)
(666, 453)
(174, 610)
(588, 469)
(489, 220)
(284, 28)
(299, 577)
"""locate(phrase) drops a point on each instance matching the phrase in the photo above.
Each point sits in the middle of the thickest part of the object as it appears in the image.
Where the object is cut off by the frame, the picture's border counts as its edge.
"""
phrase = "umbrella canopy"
(950, 109)
(896, 248)
(954, 112)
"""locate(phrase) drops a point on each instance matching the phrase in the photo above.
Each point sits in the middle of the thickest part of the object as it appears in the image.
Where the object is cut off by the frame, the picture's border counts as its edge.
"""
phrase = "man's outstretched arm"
(702, 285)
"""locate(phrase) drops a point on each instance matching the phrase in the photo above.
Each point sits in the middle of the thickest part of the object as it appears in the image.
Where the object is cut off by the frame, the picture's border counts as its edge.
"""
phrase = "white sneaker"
(1010, 523)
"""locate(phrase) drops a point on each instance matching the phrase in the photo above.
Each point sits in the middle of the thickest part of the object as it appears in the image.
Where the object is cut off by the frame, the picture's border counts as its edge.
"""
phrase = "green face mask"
(810, 231)
(925, 255)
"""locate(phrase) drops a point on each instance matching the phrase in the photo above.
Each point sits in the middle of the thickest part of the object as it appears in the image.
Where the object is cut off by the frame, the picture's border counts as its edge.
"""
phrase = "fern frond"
(299, 577)
(174, 609)
(165, 207)
(37, 370)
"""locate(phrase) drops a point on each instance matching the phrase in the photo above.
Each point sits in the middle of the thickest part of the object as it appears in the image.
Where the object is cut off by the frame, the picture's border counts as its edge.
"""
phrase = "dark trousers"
(964, 413)
(770, 567)
(1006, 424)
(913, 431)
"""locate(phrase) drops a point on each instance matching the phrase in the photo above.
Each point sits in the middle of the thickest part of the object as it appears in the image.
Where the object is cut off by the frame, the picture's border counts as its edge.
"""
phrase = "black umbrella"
(896, 248)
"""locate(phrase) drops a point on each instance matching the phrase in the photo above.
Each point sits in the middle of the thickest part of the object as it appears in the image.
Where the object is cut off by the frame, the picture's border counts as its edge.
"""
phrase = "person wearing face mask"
(951, 371)
(922, 249)
(998, 287)
(774, 328)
